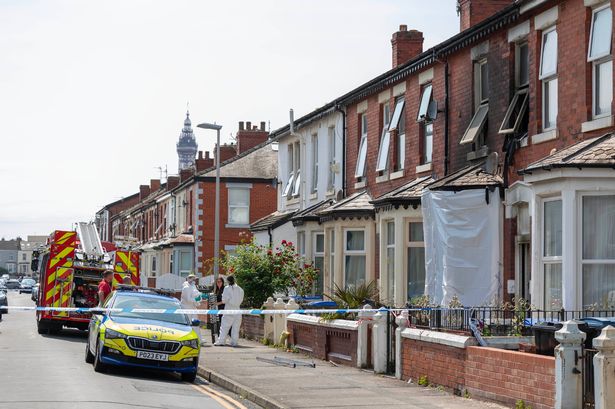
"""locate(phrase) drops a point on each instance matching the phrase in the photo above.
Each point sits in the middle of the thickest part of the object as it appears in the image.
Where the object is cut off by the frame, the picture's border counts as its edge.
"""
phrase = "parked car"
(34, 296)
(13, 284)
(26, 285)
(4, 302)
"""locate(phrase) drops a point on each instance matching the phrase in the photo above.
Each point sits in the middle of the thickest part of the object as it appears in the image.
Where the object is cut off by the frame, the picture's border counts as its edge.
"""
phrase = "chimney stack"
(472, 12)
(406, 45)
(154, 184)
(184, 175)
(203, 163)
(227, 151)
(143, 192)
(172, 182)
(250, 137)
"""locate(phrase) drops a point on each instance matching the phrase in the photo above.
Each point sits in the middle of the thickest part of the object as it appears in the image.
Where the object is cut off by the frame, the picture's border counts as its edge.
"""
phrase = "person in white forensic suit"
(232, 297)
(191, 297)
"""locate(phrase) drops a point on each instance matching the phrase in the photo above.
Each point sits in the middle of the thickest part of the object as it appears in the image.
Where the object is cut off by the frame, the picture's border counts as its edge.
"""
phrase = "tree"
(263, 271)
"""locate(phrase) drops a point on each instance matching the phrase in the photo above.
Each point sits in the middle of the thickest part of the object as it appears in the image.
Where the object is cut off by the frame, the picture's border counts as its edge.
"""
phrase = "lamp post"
(217, 215)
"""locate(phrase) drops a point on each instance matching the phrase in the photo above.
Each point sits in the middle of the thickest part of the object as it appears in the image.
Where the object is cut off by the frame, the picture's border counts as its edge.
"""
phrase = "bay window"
(548, 76)
(600, 57)
(552, 253)
(598, 251)
(354, 258)
(415, 260)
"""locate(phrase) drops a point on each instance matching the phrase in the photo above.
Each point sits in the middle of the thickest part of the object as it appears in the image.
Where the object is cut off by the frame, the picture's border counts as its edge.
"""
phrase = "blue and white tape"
(200, 312)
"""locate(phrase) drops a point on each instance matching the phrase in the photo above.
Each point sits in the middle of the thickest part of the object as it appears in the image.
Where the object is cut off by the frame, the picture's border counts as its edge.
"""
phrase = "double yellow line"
(226, 401)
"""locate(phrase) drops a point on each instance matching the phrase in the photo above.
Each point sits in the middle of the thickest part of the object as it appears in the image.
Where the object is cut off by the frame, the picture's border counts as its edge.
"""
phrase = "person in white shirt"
(232, 297)
(191, 297)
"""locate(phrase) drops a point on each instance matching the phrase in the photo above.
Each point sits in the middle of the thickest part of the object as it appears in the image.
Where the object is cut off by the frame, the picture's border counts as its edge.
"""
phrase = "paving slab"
(325, 386)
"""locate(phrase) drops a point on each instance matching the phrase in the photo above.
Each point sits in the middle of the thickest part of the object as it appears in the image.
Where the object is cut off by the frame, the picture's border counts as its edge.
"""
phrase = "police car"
(165, 342)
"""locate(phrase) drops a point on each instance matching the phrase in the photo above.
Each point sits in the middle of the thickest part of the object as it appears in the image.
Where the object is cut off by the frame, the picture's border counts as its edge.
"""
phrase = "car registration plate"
(152, 355)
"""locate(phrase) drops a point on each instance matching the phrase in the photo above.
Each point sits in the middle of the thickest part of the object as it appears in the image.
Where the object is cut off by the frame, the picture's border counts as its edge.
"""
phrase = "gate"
(391, 344)
(588, 378)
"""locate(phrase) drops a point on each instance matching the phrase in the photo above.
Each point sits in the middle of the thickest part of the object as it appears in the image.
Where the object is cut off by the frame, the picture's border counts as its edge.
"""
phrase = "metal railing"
(494, 320)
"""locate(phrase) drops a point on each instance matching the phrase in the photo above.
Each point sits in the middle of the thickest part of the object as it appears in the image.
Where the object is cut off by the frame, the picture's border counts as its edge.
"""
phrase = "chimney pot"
(263, 126)
(200, 154)
(403, 27)
(248, 125)
(206, 154)
(241, 125)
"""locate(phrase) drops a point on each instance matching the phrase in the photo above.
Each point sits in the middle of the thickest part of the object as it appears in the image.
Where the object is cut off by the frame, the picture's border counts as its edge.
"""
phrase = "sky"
(93, 95)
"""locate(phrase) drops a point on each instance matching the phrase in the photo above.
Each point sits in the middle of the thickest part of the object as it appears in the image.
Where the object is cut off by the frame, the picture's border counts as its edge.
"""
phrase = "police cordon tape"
(206, 312)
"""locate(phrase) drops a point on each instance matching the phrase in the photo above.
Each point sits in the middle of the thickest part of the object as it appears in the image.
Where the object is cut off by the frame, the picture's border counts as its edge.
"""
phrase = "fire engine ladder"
(90, 241)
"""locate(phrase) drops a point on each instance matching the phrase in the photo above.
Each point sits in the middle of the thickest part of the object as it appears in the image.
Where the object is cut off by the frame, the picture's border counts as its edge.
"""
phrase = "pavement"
(325, 386)
(43, 371)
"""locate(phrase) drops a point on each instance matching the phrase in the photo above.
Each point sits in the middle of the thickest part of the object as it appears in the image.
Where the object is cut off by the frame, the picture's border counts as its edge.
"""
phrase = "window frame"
(290, 161)
(424, 159)
(479, 128)
(382, 161)
(423, 115)
(233, 206)
(314, 188)
(400, 141)
(319, 254)
(361, 166)
(331, 153)
(478, 81)
(518, 46)
(599, 60)
(520, 93)
(549, 80)
(581, 260)
(360, 253)
(330, 239)
(297, 163)
(411, 244)
(388, 245)
(549, 260)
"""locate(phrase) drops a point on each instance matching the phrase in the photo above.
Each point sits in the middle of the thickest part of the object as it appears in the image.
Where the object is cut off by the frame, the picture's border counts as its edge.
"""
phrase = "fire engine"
(70, 266)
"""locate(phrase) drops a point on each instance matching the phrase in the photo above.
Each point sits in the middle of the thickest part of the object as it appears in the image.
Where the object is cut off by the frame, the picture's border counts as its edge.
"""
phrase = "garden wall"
(334, 341)
(494, 374)
(252, 327)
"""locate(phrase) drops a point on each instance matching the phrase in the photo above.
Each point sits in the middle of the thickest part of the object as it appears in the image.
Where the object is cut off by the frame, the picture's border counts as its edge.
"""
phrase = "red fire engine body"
(70, 268)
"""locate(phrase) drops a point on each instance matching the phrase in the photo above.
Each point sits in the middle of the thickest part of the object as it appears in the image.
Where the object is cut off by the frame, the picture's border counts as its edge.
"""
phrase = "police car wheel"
(89, 357)
(189, 377)
(98, 365)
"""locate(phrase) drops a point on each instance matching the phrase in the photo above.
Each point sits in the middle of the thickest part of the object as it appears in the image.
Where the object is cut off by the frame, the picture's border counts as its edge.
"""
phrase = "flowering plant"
(262, 271)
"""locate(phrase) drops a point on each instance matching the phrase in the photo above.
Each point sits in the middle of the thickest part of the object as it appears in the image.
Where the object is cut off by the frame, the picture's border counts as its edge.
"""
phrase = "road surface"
(42, 371)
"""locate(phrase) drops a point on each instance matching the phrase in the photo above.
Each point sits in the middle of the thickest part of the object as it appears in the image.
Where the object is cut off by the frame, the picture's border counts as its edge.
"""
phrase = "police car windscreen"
(129, 302)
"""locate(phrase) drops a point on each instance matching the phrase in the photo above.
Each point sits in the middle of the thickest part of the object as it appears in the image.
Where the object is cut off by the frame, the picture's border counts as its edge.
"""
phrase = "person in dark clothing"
(218, 290)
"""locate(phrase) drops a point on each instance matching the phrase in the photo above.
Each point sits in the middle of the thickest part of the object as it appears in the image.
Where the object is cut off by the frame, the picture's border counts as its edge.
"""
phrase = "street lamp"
(217, 215)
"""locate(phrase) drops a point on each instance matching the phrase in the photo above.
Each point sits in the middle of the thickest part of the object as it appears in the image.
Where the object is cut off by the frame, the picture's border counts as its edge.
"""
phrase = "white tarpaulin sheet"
(462, 246)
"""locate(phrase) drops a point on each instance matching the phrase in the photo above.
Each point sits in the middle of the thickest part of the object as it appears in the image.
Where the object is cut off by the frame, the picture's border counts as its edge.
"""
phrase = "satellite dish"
(432, 110)
(491, 164)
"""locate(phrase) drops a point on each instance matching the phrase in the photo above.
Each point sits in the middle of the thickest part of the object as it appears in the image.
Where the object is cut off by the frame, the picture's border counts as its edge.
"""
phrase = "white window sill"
(237, 226)
(424, 168)
(382, 178)
(314, 196)
(396, 175)
(544, 137)
(482, 152)
(597, 123)
(330, 193)
(359, 185)
(292, 200)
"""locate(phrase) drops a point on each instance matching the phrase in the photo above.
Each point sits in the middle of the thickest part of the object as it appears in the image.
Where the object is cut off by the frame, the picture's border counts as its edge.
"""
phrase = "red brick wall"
(443, 365)
(253, 326)
(323, 342)
(263, 201)
(507, 376)
(489, 373)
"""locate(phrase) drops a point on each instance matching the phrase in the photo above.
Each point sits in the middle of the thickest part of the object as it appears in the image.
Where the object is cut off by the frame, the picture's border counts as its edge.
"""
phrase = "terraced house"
(481, 168)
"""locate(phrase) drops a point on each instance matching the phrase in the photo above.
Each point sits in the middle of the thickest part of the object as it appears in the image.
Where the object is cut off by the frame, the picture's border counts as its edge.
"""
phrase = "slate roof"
(9, 245)
(312, 213)
(272, 220)
(356, 205)
(408, 194)
(470, 177)
(591, 153)
(260, 162)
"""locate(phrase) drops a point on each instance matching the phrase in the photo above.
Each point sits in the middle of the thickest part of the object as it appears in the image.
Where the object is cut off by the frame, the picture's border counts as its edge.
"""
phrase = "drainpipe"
(343, 112)
(270, 236)
(446, 119)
